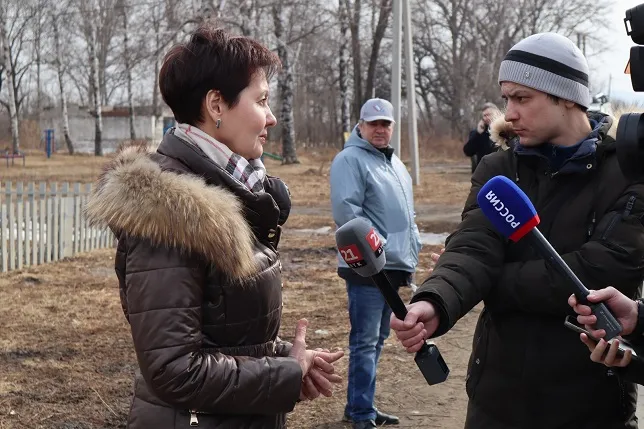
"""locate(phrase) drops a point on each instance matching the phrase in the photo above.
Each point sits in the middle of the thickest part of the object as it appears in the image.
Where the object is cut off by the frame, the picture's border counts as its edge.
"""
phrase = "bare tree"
(458, 47)
(127, 58)
(343, 68)
(89, 13)
(353, 11)
(10, 76)
(385, 9)
(96, 97)
(156, 16)
(285, 84)
(247, 9)
(60, 71)
(38, 27)
(448, 44)
(17, 26)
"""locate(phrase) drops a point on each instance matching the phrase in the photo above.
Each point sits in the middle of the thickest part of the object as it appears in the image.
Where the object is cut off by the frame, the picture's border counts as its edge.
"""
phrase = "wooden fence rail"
(42, 222)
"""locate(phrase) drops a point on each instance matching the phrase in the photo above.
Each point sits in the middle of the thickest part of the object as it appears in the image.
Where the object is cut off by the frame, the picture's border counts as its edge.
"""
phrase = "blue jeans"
(369, 316)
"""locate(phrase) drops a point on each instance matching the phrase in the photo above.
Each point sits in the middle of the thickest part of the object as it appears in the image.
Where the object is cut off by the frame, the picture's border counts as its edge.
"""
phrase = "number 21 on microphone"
(352, 256)
(374, 242)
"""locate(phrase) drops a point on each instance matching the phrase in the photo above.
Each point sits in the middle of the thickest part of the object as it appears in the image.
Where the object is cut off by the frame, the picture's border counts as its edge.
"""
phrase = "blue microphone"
(513, 215)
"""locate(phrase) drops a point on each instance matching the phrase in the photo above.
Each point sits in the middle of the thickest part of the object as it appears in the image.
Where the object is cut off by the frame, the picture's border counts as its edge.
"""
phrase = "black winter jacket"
(526, 369)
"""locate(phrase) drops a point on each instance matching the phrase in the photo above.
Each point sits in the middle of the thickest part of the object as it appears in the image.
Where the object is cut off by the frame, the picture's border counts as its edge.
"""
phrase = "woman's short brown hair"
(212, 59)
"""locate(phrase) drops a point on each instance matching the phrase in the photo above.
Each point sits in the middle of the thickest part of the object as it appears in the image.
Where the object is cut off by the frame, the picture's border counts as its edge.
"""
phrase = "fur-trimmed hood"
(134, 195)
(501, 132)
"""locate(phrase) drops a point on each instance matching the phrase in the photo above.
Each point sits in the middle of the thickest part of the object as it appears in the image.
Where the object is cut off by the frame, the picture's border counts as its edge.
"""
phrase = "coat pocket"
(621, 233)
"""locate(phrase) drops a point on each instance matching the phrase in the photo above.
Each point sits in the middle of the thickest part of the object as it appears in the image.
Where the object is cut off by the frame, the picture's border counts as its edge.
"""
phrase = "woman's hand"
(318, 382)
(317, 366)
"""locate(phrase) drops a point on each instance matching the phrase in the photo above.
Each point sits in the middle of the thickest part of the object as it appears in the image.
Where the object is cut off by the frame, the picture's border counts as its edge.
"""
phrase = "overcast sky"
(614, 60)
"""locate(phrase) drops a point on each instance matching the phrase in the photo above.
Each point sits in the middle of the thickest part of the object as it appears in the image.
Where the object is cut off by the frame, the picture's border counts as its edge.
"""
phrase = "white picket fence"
(44, 223)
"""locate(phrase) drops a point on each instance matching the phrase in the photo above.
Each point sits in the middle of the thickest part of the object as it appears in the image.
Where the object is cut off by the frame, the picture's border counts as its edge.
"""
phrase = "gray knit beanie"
(550, 63)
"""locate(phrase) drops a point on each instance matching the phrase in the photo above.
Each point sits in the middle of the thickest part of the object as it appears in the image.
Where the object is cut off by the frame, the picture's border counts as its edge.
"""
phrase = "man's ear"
(569, 104)
(214, 104)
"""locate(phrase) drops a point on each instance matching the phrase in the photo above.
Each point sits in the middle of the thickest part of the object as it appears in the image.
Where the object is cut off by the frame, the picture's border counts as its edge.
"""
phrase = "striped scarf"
(251, 173)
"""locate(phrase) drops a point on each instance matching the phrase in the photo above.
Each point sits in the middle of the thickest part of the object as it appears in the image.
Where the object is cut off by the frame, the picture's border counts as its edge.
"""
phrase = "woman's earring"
(218, 123)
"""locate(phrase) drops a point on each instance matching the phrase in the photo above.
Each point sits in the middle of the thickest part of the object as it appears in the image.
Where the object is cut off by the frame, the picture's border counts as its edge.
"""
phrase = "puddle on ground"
(427, 238)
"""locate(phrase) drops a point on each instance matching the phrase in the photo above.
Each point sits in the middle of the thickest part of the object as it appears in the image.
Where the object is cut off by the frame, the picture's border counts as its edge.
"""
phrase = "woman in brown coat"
(198, 223)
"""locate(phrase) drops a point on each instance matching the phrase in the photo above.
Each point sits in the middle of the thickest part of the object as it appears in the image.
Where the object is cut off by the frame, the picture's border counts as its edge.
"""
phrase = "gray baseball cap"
(377, 109)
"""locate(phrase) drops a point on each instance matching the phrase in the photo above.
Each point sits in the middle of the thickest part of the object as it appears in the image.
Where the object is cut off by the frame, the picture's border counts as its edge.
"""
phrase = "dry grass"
(441, 183)
(59, 168)
(64, 344)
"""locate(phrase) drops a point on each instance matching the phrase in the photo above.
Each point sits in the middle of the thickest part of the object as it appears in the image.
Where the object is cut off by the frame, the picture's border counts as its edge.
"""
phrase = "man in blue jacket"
(369, 181)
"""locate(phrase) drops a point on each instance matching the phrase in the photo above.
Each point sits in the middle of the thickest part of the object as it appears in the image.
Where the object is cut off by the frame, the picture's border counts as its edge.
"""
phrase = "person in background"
(479, 143)
(369, 181)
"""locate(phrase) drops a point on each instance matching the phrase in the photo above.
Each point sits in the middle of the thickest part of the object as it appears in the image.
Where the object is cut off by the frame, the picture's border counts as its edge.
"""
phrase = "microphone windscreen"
(361, 248)
(507, 207)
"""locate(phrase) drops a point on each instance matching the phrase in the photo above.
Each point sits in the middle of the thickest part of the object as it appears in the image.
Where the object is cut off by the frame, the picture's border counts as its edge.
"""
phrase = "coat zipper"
(402, 188)
(194, 421)
(591, 227)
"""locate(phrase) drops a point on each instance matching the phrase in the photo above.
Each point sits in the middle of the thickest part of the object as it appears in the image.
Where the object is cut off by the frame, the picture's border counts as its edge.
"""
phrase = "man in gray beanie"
(527, 370)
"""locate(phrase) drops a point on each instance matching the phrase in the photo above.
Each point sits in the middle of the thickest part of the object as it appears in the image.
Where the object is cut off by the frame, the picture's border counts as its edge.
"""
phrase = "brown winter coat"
(200, 282)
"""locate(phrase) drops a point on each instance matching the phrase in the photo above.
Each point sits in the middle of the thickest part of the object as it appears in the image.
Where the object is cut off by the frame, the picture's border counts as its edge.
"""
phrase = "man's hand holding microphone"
(420, 322)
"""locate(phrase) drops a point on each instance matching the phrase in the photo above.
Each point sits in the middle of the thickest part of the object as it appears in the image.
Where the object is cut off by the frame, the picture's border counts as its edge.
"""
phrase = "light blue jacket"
(364, 183)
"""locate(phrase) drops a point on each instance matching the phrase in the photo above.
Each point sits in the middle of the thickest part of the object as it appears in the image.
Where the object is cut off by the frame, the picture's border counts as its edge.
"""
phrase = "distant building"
(116, 126)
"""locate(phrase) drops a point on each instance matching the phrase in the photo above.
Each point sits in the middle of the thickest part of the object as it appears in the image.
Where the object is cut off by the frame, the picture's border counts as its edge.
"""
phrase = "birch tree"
(353, 11)
(60, 71)
(89, 13)
(343, 69)
(127, 58)
(285, 84)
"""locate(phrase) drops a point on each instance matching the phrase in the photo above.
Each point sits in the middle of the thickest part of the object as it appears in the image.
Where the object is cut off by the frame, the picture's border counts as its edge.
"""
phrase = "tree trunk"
(285, 84)
(246, 11)
(10, 77)
(356, 54)
(345, 108)
(63, 96)
(158, 118)
(96, 92)
(156, 96)
(378, 34)
(38, 31)
(128, 73)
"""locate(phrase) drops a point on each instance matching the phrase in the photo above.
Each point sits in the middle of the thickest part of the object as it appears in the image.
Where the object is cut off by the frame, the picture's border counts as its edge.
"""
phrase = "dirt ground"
(66, 360)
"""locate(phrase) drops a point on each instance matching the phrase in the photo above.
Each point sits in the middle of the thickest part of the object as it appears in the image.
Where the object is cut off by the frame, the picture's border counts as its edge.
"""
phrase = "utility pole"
(396, 73)
(411, 96)
(401, 12)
